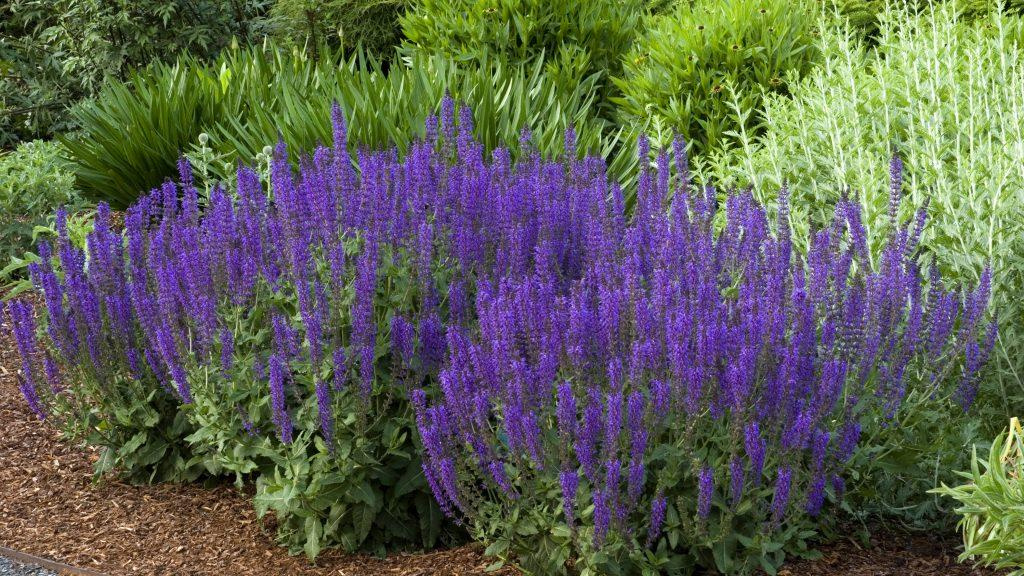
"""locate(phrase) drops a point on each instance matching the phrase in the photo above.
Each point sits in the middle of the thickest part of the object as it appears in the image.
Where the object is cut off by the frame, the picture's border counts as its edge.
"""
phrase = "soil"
(50, 507)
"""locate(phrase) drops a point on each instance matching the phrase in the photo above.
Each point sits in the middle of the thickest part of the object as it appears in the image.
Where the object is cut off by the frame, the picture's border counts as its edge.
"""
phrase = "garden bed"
(50, 507)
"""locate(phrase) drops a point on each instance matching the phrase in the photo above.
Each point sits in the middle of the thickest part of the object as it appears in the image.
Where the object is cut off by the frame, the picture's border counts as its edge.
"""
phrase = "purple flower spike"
(277, 399)
(569, 482)
(705, 490)
(658, 508)
(781, 499)
(25, 340)
(323, 404)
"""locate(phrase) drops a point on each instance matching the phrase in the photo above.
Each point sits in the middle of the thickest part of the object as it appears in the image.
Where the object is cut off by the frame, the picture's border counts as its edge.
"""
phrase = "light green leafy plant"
(696, 59)
(992, 504)
(34, 180)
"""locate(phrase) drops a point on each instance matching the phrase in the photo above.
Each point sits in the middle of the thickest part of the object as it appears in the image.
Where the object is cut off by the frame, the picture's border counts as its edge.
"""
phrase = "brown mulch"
(889, 554)
(50, 507)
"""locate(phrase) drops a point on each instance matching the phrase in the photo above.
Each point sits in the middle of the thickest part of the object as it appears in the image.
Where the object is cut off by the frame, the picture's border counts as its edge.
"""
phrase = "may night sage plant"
(678, 389)
(590, 389)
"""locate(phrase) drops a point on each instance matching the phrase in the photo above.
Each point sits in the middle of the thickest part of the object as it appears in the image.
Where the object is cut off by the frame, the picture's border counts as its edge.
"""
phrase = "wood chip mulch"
(51, 508)
(890, 554)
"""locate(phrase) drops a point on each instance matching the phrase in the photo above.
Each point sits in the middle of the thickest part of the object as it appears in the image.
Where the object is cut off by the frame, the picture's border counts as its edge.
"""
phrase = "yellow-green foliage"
(700, 61)
(992, 505)
(596, 31)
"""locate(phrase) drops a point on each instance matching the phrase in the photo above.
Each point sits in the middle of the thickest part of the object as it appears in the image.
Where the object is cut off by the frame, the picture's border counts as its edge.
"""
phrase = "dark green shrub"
(697, 64)
(33, 92)
(55, 52)
(134, 131)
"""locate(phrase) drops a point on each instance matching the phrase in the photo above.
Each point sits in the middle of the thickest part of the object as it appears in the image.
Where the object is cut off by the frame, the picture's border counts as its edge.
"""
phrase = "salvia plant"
(679, 389)
(934, 73)
(591, 390)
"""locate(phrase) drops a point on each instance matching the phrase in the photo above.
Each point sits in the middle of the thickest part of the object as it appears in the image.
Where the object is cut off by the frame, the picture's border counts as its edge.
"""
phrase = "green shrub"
(944, 95)
(866, 15)
(34, 180)
(135, 131)
(372, 25)
(697, 64)
(55, 52)
(597, 31)
(992, 504)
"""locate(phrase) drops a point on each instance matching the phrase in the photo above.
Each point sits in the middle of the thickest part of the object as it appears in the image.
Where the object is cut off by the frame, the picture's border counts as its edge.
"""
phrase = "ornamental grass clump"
(677, 389)
(587, 388)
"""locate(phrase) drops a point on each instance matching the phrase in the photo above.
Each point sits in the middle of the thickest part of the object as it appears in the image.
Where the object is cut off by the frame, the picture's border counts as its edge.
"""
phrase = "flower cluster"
(685, 354)
(662, 363)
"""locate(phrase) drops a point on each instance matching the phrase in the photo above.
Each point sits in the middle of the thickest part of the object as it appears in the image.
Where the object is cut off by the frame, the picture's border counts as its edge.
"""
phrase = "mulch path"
(50, 507)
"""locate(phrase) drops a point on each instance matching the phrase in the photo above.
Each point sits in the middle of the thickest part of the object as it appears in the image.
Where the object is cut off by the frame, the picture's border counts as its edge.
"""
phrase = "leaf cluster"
(531, 531)
(363, 489)
(34, 180)
(992, 504)
(697, 64)
(134, 131)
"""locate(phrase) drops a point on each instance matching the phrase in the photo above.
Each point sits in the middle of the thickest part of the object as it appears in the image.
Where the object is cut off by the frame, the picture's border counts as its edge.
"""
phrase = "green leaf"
(363, 517)
(411, 481)
(133, 444)
(314, 531)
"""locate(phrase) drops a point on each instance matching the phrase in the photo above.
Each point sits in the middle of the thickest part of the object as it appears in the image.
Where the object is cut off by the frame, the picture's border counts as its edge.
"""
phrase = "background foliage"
(866, 16)
(590, 35)
(372, 25)
(55, 52)
(136, 130)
